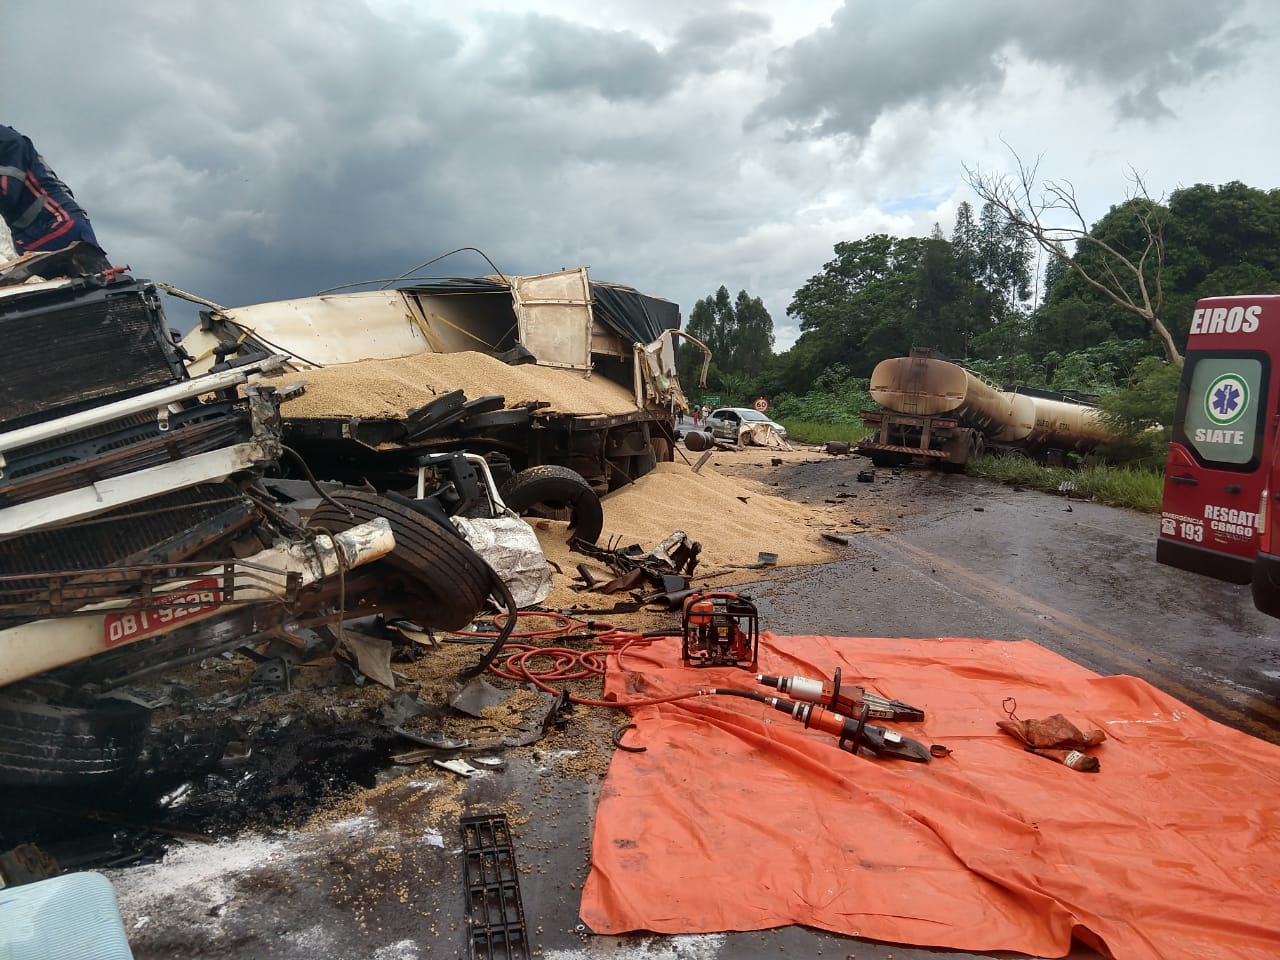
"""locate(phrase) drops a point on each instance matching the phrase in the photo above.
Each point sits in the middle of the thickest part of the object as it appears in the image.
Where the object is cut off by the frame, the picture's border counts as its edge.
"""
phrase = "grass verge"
(1132, 487)
(814, 431)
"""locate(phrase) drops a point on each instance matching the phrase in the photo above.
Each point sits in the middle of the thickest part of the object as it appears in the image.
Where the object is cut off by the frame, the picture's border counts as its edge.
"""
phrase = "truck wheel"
(43, 742)
(882, 458)
(428, 562)
(698, 440)
(643, 463)
(550, 488)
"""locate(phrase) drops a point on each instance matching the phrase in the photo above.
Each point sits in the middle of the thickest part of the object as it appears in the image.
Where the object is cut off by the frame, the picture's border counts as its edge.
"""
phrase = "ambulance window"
(1224, 409)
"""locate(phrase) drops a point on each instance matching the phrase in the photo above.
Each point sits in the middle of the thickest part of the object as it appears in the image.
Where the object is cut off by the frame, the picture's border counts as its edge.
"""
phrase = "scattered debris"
(460, 767)
(26, 863)
(839, 538)
(495, 912)
(765, 559)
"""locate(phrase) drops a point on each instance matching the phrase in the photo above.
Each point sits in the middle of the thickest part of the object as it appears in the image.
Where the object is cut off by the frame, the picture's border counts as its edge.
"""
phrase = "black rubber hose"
(749, 694)
(315, 485)
(513, 613)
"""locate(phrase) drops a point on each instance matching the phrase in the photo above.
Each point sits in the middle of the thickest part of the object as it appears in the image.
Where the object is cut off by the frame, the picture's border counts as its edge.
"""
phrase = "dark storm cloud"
(543, 54)
(876, 57)
(252, 152)
(539, 54)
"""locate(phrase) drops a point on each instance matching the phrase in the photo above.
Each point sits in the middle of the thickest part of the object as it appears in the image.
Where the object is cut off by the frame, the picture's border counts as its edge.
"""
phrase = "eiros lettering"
(1226, 319)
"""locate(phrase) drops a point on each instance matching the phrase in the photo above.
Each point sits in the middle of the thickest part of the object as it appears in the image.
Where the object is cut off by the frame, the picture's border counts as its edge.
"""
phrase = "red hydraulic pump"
(849, 701)
(719, 629)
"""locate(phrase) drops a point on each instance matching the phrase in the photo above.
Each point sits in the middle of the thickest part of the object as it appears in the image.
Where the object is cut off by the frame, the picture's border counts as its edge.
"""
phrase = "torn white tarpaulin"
(761, 435)
(511, 547)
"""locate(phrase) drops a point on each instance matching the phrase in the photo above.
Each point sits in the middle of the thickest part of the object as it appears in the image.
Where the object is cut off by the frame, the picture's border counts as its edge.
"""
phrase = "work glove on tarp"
(1056, 738)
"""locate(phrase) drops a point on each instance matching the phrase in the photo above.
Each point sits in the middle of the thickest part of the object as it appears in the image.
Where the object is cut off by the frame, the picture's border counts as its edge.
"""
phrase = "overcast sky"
(250, 151)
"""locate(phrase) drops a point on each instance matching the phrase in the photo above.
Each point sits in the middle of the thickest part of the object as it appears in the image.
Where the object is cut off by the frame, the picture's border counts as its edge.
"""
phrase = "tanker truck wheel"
(546, 490)
(447, 582)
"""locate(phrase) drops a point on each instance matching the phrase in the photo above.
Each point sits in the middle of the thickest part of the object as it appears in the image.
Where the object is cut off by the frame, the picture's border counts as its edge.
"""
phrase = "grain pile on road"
(388, 389)
(734, 517)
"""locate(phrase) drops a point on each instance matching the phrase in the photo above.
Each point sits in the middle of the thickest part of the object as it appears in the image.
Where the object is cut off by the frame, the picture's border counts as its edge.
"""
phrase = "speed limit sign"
(761, 404)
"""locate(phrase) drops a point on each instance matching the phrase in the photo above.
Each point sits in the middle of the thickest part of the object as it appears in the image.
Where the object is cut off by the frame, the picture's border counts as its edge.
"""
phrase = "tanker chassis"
(937, 410)
(900, 436)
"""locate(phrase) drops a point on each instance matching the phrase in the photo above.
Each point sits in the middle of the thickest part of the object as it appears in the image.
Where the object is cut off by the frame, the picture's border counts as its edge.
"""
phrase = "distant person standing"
(41, 212)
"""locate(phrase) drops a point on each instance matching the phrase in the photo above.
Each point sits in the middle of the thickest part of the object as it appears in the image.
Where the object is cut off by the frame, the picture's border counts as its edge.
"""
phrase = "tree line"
(1022, 289)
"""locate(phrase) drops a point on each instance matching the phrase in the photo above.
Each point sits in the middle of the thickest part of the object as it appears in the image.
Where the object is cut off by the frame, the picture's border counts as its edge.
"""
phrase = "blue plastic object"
(72, 917)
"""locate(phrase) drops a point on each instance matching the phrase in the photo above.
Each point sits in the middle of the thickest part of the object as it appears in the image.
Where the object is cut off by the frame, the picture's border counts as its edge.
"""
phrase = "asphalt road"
(965, 558)
(973, 558)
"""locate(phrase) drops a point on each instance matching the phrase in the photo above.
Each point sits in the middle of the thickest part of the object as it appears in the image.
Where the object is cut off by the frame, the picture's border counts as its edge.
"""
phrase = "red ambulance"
(1218, 476)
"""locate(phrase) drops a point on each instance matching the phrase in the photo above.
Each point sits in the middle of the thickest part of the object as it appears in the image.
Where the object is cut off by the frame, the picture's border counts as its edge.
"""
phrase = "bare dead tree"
(1132, 280)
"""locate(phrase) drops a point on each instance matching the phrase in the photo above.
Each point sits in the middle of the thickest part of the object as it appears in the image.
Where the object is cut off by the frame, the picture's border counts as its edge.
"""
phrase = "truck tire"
(556, 488)
(643, 463)
(429, 562)
(698, 440)
(47, 743)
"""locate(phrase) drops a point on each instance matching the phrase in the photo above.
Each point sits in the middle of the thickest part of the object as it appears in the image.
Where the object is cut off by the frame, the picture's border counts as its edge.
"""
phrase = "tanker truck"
(942, 413)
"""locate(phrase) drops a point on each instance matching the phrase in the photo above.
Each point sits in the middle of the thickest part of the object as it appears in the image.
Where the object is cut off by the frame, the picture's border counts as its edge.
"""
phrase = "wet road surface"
(974, 558)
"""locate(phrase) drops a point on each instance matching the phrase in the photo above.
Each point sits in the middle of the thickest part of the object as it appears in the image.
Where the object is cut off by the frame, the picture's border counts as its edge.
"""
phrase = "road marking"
(1108, 646)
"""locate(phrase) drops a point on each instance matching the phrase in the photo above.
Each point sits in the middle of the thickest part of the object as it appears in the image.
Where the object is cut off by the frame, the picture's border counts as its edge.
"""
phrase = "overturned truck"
(159, 504)
(137, 535)
(944, 414)
(557, 374)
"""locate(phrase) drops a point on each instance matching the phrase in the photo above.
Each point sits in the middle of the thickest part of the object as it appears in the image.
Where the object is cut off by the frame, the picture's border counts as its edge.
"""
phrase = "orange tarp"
(738, 818)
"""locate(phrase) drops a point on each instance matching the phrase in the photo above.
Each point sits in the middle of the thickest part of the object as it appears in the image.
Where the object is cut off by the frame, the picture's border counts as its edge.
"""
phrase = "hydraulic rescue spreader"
(848, 700)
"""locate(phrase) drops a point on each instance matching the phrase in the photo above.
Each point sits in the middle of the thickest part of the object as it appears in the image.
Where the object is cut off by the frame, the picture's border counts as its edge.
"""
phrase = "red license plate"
(198, 596)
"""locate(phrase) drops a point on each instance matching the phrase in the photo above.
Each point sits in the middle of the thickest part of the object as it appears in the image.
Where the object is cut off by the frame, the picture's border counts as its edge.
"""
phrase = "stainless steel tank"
(926, 386)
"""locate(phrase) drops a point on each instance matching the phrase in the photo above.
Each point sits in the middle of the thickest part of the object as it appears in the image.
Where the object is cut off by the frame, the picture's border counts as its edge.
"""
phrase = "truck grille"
(67, 350)
(170, 528)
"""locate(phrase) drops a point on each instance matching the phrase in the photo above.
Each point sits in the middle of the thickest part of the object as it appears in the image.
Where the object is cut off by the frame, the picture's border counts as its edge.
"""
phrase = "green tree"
(739, 334)
(964, 242)
(1055, 270)
(858, 310)
(1142, 412)
(753, 344)
(942, 317)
